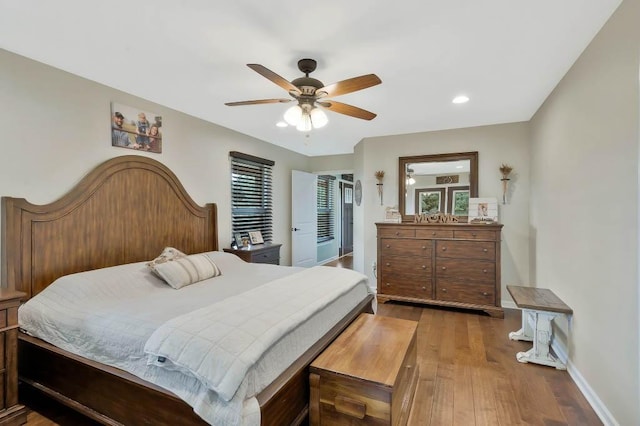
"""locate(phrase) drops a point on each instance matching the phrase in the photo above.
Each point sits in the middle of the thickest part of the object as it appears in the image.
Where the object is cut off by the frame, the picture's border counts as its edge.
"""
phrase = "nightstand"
(11, 413)
(258, 253)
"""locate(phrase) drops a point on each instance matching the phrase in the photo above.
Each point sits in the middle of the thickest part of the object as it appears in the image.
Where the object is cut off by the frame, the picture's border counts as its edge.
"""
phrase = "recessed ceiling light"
(281, 124)
(460, 99)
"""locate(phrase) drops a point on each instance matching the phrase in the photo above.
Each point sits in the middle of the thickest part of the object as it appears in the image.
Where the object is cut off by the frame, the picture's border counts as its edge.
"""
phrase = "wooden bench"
(367, 376)
(539, 308)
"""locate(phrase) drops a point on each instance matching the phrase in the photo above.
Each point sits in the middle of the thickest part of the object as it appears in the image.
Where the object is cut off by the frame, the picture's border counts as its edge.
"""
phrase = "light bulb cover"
(293, 115)
(318, 118)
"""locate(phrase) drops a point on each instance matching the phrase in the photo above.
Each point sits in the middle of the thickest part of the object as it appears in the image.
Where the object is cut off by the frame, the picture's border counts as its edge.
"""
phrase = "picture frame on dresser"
(256, 237)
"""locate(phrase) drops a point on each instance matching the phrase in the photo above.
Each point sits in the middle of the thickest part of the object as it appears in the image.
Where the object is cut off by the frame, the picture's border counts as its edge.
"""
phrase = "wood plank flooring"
(468, 375)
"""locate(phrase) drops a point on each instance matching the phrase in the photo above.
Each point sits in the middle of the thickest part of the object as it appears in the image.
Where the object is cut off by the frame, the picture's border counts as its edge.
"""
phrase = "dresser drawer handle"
(388, 246)
(424, 247)
(484, 270)
(397, 233)
(444, 268)
(388, 284)
(424, 266)
(424, 288)
(444, 290)
(387, 264)
(473, 234)
(484, 293)
(433, 233)
(485, 250)
(444, 249)
(265, 255)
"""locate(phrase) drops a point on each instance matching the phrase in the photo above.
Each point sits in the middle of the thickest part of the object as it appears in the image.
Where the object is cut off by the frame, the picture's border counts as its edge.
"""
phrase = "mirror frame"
(402, 165)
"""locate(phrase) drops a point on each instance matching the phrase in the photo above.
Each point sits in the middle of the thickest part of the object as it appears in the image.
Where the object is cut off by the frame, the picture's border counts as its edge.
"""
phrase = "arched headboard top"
(125, 210)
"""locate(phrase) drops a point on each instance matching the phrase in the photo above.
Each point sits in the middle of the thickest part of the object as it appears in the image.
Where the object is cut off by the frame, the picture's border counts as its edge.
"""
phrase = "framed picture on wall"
(256, 237)
(134, 128)
(458, 200)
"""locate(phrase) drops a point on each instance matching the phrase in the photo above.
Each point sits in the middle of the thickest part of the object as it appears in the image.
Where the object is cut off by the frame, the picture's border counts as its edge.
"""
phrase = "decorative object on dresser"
(483, 210)
(455, 265)
(368, 375)
(435, 218)
(11, 413)
(259, 253)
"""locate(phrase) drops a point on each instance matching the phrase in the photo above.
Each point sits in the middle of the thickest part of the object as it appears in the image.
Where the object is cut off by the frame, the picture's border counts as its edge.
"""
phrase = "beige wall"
(507, 143)
(56, 128)
(584, 213)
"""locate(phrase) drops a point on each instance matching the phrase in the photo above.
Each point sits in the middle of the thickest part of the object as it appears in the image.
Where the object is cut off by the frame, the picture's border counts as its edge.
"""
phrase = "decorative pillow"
(168, 254)
(187, 270)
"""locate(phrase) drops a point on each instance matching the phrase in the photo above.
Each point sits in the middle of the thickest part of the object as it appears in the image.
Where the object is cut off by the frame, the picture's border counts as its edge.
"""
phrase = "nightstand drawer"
(267, 256)
(259, 253)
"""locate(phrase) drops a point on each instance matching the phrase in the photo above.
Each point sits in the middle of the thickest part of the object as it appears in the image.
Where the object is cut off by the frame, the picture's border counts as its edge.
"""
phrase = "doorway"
(346, 217)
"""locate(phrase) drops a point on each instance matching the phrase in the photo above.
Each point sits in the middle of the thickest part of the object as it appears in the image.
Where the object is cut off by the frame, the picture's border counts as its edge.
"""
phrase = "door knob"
(295, 229)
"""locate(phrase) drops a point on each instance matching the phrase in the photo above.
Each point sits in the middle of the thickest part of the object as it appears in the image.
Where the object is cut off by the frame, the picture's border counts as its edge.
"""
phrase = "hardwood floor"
(468, 375)
(345, 261)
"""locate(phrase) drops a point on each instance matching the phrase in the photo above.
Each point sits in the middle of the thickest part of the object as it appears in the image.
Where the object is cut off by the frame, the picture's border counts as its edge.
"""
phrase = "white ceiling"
(191, 55)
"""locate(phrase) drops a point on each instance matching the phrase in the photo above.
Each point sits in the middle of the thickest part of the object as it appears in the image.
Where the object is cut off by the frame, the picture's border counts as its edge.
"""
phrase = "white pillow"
(187, 270)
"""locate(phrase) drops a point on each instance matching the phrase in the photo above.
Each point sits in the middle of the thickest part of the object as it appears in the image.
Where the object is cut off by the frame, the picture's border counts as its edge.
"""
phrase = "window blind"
(251, 195)
(326, 208)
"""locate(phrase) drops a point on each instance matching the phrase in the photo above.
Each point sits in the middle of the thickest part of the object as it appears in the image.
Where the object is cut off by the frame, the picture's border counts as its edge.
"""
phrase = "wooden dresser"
(367, 376)
(441, 264)
(258, 253)
(11, 413)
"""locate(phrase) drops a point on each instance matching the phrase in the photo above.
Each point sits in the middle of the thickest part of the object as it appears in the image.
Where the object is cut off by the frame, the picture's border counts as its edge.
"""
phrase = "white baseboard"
(596, 403)
(592, 398)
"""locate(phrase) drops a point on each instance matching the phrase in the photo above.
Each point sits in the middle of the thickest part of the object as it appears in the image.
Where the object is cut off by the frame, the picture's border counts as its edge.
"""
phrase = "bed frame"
(126, 210)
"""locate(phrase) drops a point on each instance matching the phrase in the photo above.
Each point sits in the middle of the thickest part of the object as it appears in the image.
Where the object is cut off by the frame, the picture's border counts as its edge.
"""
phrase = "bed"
(125, 211)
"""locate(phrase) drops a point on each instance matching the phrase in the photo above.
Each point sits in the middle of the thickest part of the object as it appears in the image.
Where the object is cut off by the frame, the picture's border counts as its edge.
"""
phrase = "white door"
(304, 227)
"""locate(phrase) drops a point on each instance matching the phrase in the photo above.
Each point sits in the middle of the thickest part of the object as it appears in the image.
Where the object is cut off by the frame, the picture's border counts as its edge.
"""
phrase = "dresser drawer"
(479, 294)
(475, 271)
(397, 232)
(433, 233)
(407, 285)
(405, 247)
(406, 265)
(267, 256)
(474, 235)
(482, 250)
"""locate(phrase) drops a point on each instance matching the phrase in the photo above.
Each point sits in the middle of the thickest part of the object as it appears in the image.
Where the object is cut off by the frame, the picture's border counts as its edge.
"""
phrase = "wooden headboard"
(126, 210)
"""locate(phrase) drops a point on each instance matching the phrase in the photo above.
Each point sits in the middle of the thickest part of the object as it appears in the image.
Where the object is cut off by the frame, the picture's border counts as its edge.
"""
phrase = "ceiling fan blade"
(265, 72)
(259, 101)
(346, 109)
(349, 85)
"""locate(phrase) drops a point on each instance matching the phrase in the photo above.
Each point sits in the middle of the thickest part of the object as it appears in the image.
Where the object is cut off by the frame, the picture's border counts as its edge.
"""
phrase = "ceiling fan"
(311, 93)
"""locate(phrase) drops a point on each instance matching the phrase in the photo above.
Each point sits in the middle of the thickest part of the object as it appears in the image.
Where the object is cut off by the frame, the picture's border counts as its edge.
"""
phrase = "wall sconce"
(380, 177)
(505, 169)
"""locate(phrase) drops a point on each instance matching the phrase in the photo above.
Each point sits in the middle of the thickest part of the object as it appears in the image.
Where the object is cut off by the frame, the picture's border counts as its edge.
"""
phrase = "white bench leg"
(542, 330)
(526, 331)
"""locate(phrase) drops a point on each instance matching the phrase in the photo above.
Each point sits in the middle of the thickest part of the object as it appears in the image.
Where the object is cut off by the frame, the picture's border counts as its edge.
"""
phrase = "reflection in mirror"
(437, 183)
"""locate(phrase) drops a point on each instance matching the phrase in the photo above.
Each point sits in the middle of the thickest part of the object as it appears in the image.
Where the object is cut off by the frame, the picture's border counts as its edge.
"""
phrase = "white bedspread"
(108, 316)
(219, 343)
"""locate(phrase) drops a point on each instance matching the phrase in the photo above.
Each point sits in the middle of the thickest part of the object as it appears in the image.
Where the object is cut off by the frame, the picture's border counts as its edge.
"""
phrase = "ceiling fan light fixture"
(318, 118)
(293, 115)
(304, 125)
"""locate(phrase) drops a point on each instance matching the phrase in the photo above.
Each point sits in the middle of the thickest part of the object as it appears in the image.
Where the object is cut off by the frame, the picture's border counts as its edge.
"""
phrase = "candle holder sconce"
(380, 177)
(505, 170)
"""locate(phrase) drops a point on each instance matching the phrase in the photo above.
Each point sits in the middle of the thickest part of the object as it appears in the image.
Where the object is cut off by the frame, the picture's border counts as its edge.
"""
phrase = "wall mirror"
(437, 183)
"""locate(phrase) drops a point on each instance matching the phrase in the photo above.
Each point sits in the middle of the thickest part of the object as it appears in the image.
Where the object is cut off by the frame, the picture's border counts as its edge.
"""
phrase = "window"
(251, 195)
(325, 208)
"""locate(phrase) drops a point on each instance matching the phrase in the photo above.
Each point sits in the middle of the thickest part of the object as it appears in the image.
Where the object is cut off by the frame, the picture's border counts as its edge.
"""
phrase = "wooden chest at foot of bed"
(368, 375)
